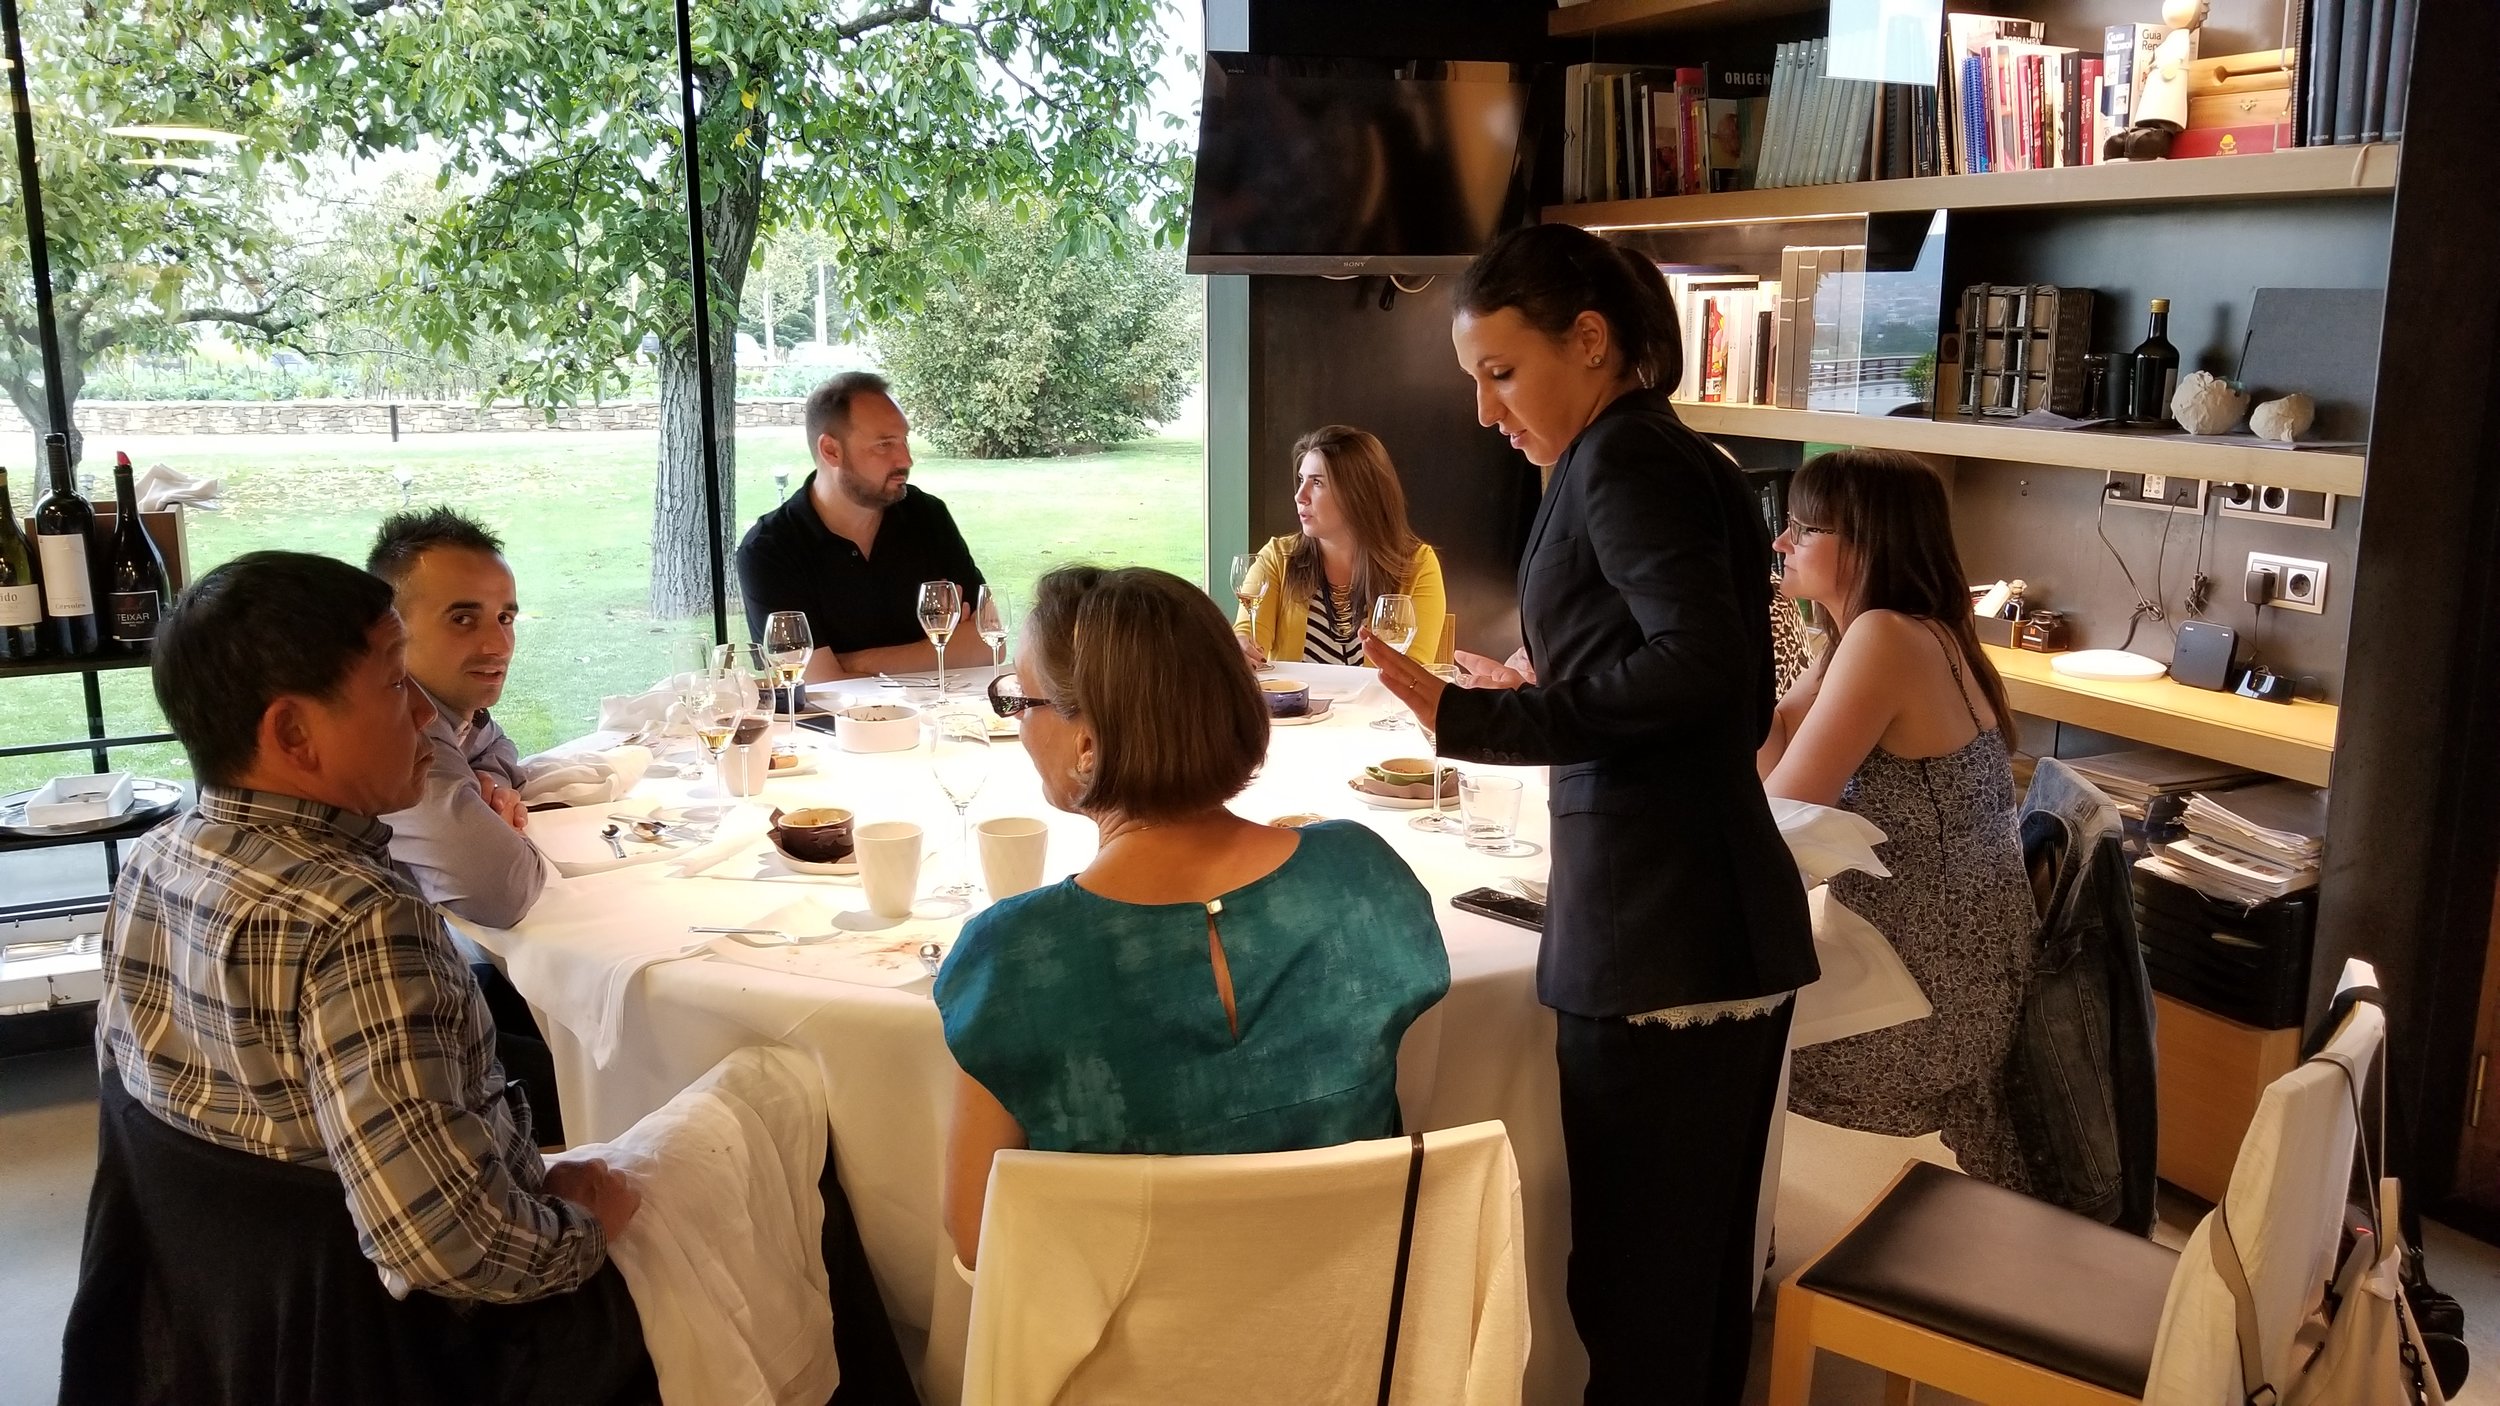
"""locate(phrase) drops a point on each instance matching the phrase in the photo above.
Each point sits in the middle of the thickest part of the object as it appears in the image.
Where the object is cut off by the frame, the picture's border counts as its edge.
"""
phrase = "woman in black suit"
(1677, 929)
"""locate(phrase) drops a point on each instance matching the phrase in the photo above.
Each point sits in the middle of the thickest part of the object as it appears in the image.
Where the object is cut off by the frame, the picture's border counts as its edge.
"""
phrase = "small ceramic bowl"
(1296, 820)
(877, 727)
(1286, 698)
(1403, 771)
(816, 834)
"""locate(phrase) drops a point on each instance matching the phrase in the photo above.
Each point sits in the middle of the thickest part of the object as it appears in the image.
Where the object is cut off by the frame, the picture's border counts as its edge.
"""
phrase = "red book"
(1692, 115)
(2091, 108)
(2223, 141)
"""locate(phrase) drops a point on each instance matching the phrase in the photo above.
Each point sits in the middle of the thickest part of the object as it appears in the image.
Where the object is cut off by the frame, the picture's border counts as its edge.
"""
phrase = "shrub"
(1042, 350)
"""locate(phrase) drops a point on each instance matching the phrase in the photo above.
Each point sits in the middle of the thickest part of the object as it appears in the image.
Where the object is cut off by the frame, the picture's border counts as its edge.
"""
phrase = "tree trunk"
(24, 382)
(681, 568)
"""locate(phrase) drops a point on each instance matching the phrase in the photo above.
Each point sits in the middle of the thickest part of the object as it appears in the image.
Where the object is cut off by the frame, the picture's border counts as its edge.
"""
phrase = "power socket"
(2178, 495)
(2298, 585)
(2289, 507)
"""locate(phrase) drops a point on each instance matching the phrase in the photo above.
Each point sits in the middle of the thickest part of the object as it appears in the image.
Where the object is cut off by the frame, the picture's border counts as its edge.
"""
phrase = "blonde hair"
(1364, 486)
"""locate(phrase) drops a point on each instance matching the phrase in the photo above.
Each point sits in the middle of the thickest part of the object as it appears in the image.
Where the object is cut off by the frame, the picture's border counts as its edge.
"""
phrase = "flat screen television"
(1355, 166)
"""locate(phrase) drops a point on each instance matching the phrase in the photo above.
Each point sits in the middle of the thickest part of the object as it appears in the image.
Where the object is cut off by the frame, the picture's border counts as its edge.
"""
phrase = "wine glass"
(787, 644)
(1393, 624)
(716, 713)
(1251, 594)
(959, 757)
(992, 618)
(941, 609)
(748, 666)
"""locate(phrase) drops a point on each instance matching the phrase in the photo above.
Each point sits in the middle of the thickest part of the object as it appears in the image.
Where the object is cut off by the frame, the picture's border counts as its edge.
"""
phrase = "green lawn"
(575, 514)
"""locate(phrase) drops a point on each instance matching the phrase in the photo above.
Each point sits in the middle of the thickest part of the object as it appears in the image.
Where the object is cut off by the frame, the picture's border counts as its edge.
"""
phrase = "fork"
(749, 935)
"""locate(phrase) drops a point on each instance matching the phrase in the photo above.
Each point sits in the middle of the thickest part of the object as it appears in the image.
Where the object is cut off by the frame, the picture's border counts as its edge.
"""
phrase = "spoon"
(615, 845)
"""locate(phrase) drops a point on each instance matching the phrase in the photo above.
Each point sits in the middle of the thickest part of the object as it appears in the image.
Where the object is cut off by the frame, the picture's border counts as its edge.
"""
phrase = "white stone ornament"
(2283, 420)
(2204, 403)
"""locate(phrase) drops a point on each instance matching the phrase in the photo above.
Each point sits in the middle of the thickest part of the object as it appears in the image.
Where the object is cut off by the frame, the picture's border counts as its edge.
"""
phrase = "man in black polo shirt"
(853, 544)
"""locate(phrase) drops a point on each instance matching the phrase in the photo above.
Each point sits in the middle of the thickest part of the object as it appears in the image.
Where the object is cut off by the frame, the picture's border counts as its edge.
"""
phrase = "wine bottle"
(134, 573)
(2156, 369)
(63, 522)
(21, 589)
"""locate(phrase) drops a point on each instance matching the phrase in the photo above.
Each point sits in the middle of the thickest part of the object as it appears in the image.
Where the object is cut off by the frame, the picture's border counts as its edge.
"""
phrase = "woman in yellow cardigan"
(1313, 589)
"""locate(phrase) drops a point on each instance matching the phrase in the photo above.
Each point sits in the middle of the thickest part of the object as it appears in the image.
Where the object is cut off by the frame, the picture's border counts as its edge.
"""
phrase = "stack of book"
(1630, 133)
(2249, 844)
(1759, 341)
(2137, 779)
(2355, 67)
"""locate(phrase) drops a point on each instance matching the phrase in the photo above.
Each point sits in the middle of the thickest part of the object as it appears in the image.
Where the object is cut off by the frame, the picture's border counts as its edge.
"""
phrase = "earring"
(1597, 361)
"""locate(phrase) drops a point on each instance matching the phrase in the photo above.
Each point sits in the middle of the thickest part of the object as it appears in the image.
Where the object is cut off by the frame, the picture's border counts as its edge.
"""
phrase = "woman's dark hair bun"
(1553, 273)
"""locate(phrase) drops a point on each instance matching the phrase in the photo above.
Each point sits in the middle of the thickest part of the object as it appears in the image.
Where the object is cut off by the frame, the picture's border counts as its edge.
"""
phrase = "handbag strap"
(2255, 1389)
(1406, 1247)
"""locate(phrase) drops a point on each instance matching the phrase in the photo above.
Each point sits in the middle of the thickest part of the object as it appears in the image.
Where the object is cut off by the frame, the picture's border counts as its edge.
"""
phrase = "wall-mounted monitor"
(1355, 166)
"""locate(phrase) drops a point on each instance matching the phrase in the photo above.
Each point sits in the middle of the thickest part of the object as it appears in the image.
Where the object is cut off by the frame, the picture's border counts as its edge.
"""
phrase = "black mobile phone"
(1502, 908)
(818, 722)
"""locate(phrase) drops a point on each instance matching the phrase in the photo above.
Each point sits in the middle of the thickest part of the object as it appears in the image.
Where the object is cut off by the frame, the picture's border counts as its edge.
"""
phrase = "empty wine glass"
(941, 609)
(959, 757)
(689, 666)
(992, 619)
(1393, 624)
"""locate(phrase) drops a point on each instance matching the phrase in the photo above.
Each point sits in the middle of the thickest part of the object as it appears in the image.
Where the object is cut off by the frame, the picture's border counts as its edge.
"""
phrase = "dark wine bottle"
(2156, 369)
(134, 572)
(64, 523)
(21, 588)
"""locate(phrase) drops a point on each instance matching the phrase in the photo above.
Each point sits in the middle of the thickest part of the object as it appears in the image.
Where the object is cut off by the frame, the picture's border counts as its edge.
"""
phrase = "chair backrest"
(1264, 1277)
(2286, 1207)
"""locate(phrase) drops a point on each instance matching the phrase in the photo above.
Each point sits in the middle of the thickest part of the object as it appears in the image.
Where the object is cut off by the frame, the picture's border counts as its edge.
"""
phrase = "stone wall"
(205, 417)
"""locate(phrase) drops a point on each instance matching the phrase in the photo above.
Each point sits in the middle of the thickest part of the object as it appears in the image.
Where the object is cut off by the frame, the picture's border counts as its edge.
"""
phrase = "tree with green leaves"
(556, 127)
(1043, 350)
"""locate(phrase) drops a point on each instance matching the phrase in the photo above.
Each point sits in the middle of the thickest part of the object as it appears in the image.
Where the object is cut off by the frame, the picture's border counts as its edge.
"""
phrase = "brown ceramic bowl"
(815, 834)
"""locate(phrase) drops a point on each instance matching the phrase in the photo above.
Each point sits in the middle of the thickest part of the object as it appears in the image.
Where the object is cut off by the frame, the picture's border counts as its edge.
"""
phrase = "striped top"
(1322, 642)
(275, 985)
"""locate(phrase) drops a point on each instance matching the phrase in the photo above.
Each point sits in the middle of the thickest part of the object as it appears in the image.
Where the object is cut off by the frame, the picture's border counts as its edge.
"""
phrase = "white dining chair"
(1389, 1271)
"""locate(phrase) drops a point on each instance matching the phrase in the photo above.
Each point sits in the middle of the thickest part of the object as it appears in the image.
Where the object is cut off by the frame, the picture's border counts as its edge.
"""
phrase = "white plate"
(149, 799)
(2112, 664)
(690, 815)
(843, 868)
(1303, 721)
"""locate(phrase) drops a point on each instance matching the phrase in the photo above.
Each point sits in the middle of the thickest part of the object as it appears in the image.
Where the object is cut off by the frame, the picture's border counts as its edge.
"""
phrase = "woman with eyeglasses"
(1207, 983)
(1308, 592)
(1676, 931)
(1904, 721)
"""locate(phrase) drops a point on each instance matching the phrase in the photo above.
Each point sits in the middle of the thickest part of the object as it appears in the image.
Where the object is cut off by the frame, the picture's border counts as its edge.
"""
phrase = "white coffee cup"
(1012, 850)
(889, 865)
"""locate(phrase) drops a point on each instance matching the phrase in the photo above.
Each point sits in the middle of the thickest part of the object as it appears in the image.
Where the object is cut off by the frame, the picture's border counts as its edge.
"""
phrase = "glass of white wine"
(992, 618)
(1251, 594)
(787, 645)
(1393, 624)
(941, 609)
(716, 715)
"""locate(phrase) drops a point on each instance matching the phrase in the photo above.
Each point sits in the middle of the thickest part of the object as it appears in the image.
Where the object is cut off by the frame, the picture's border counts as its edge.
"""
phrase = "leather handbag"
(2361, 1346)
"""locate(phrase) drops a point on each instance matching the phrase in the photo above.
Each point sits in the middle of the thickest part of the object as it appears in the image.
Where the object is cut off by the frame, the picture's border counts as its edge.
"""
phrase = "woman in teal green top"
(1206, 984)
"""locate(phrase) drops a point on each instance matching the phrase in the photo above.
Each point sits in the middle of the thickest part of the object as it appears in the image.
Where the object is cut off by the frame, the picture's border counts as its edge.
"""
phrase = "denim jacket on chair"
(2081, 1076)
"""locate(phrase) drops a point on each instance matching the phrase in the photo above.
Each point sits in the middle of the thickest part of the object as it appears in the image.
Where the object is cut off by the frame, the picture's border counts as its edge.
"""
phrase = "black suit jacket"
(1648, 615)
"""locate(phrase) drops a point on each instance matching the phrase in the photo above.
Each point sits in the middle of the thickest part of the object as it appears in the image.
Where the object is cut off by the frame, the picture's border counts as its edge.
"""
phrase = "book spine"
(2096, 120)
(1765, 344)
(1974, 115)
(2374, 88)
(2118, 68)
(1714, 351)
(2399, 72)
(2352, 66)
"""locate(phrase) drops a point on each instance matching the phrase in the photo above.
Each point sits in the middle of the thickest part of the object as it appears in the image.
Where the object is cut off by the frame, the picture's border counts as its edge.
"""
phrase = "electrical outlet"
(2288, 507)
(2298, 584)
(2179, 495)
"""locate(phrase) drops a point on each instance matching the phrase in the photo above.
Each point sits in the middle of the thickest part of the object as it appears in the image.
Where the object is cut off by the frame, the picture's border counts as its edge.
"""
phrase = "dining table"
(635, 1006)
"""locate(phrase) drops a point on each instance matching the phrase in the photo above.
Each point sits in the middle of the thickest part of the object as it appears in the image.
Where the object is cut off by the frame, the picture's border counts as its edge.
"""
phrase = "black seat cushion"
(2002, 1271)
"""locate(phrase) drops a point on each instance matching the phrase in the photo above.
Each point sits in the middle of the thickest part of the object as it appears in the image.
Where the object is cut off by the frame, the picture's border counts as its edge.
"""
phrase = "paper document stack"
(2250, 844)
(2131, 780)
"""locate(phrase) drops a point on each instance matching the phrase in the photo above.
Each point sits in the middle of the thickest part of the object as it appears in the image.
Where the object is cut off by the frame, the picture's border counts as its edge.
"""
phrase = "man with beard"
(852, 546)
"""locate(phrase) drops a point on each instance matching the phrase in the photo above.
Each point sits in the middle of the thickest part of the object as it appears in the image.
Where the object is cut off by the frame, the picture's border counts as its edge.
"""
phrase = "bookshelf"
(2303, 173)
(2310, 470)
(2296, 740)
(1608, 18)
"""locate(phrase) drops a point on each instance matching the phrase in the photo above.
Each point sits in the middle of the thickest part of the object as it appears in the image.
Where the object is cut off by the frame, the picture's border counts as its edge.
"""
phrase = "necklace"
(1341, 613)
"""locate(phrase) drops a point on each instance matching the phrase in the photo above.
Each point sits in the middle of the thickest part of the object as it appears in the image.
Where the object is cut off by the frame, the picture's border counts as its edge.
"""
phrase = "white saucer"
(1305, 720)
(840, 868)
(1389, 802)
(2112, 664)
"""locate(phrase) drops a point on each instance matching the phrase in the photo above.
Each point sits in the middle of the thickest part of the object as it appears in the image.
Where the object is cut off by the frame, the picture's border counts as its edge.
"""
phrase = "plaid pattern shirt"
(273, 984)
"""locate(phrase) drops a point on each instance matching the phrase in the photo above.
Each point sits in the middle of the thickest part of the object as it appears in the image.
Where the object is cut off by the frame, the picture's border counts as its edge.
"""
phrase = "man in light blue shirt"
(465, 841)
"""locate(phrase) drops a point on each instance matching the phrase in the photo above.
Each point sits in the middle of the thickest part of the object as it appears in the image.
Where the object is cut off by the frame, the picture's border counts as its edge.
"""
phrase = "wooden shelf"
(93, 664)
(2296, 740)
(1612, 17)
(2312, 470)
(2308, 172)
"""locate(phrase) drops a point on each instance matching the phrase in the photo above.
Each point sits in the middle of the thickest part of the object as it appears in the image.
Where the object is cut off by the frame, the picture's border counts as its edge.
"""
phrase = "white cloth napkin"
(161, 486)
(628, 712)
(883, 957)
(571, 841)
(1827, 841)
(725, 1257)
(1863, 987)
(582, 778)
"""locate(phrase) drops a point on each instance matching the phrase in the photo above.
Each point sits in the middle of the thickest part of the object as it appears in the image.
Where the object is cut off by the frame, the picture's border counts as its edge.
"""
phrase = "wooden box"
(2241, 90)
(2211, 1071)
(165, 529)
(2022, 349)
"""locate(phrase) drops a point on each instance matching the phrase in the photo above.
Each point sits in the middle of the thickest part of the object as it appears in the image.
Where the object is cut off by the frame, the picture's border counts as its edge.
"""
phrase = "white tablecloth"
(1484, 1052)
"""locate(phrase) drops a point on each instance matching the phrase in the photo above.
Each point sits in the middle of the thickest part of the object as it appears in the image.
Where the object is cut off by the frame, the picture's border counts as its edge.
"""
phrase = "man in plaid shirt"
(274, 984)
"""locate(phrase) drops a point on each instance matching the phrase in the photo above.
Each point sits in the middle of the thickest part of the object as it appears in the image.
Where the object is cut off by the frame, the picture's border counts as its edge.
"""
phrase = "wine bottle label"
(134, 616)
(20, 605)
(65, 571)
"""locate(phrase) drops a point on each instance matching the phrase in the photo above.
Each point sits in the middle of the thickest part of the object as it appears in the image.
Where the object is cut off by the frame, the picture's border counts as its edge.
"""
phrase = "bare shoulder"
(1886, 639)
